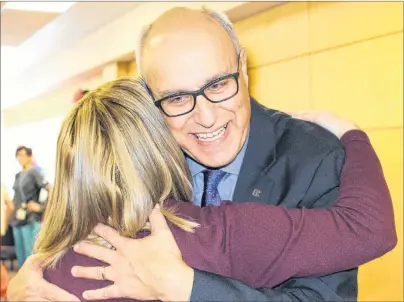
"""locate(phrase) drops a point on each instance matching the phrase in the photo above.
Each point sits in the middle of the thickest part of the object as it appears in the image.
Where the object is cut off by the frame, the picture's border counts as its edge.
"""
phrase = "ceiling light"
(49, 7)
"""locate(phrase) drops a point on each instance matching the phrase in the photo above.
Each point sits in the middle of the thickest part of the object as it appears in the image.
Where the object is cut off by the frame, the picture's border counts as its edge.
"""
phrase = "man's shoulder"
(296, 152)
(298, 136)
(309, 134)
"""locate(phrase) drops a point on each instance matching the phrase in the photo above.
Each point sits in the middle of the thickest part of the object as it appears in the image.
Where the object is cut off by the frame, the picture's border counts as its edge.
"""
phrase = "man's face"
(213, 133)
(22, 158)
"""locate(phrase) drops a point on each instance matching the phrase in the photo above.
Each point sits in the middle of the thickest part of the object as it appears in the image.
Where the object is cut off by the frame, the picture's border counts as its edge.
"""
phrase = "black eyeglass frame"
(201, 91)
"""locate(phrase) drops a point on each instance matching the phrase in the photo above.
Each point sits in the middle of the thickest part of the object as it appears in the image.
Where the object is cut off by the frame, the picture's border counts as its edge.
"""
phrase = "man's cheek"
(181, 138)
(176, 124)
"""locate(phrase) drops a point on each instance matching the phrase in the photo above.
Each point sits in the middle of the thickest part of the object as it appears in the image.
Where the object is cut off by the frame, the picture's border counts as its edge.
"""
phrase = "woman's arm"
(264, 245)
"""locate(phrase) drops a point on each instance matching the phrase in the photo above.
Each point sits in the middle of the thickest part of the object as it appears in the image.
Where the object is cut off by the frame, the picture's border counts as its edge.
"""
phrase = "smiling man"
(237, 150)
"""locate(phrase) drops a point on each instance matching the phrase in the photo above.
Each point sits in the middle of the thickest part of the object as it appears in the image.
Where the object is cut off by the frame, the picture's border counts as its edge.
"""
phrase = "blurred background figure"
(28, 209)
(7, 208)
(6, 211)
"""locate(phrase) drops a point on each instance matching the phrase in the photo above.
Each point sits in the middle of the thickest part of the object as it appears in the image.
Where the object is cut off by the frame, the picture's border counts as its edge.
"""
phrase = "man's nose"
(205, 112)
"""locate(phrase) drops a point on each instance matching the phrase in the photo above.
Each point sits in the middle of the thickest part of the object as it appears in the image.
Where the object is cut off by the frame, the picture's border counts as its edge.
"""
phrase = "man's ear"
(243, 62)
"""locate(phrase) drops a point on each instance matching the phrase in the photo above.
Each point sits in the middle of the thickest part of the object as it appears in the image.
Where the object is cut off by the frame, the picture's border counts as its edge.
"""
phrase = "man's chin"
(213, 161)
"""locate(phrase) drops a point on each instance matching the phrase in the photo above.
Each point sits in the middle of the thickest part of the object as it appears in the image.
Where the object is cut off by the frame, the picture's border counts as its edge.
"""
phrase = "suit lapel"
(253, 183)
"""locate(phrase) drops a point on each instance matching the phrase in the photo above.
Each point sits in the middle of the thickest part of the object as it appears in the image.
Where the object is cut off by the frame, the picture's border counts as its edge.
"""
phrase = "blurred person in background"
(37, 166)
(117, 160)
(26, 220)
(7, 208)
(43, 195)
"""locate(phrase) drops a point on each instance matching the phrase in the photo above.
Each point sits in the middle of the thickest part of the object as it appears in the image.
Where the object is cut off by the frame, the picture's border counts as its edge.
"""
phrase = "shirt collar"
(232, 168)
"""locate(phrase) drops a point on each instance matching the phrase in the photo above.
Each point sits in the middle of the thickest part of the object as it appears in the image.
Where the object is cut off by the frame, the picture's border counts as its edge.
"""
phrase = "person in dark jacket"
(28, 209)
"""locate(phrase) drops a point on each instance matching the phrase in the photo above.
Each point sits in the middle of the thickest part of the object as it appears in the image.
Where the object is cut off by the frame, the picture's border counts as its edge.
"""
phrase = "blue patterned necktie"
(211, 193)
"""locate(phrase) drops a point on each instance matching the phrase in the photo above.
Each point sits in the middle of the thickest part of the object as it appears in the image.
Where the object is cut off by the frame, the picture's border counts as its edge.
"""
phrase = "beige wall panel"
(382, 279)
(276, 34)
(363, 82)
(337, 23)
(283, 86)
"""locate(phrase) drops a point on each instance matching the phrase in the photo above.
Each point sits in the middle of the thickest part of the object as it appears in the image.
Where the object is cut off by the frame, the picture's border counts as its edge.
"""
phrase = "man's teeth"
(207, 137)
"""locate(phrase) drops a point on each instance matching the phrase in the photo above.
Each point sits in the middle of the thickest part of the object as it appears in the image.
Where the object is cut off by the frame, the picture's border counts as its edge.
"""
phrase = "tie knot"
(213, 177)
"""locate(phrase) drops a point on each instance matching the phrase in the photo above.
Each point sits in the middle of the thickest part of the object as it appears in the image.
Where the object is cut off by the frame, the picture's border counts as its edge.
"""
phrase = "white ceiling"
(21, 19)
(64, 30)
(85, 37)
(38, 42)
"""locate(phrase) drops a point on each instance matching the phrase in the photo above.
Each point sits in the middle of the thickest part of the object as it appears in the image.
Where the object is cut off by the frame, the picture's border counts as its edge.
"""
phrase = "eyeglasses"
(216, 91)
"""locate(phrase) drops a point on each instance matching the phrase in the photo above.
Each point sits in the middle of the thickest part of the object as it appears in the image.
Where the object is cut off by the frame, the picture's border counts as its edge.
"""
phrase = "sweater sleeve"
(263, 245)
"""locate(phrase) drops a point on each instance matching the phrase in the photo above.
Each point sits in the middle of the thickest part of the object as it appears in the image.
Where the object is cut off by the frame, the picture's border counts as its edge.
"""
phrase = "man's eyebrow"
(165, 93)
(219, 75)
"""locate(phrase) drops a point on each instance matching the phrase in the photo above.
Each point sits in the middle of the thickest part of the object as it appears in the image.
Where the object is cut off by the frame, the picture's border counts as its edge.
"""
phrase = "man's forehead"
(184, 50)
(177, 17)
(186, 33)
(182, 26)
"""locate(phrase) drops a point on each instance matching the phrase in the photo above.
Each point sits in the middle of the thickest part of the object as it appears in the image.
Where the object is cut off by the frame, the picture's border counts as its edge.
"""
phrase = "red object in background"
(78, 95)
(4, 281)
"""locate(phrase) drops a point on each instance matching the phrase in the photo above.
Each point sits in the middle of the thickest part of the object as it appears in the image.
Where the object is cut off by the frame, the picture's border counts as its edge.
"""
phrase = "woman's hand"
(328, 120)
(150, 268)
(29, 285)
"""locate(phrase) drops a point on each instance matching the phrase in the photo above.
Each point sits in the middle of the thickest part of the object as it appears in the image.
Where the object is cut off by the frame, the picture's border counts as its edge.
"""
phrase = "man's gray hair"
(218, 16)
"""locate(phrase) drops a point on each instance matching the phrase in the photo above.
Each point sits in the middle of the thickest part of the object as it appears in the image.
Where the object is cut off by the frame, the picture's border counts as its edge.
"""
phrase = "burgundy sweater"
(263, 245)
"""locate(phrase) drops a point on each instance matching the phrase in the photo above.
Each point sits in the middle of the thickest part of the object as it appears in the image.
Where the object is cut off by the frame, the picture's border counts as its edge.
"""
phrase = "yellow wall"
(345, 57)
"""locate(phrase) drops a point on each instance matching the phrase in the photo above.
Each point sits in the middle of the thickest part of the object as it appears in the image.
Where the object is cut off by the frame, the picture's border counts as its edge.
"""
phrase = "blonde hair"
(116, 159)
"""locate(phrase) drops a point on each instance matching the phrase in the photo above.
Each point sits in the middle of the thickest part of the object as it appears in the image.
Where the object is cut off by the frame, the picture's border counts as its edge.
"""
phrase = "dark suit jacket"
(295, 164)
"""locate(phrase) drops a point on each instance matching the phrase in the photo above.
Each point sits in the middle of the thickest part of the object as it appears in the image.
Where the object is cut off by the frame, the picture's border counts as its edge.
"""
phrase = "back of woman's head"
(116, 159)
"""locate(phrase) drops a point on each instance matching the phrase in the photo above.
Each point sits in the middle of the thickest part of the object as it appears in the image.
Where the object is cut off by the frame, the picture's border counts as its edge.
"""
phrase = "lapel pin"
(256, 193)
